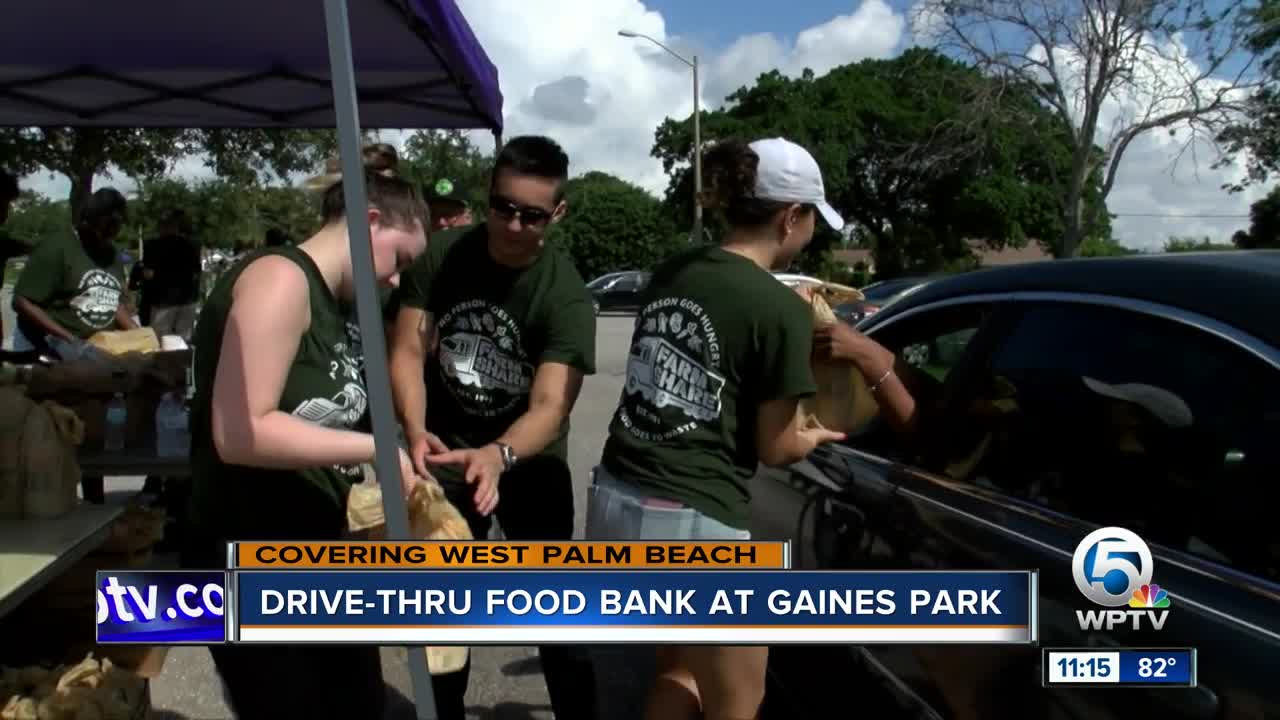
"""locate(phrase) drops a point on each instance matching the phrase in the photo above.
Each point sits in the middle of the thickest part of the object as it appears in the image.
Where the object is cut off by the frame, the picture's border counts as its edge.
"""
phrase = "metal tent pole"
(387, 460)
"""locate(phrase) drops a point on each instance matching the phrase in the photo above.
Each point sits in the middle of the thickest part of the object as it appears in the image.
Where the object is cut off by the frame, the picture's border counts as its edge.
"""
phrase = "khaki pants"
(177, 320)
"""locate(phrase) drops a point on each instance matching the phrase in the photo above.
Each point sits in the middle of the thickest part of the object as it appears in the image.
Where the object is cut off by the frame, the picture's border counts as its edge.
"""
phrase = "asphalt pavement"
(506, 682)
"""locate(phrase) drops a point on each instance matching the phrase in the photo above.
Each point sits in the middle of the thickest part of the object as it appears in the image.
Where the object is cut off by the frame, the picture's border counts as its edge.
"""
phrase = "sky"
(566, 73)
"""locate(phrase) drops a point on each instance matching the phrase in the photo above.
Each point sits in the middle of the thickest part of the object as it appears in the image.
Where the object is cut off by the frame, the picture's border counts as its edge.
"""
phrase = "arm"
(37, 286)
(38, 317)
(258, 349)
(555, 390)
(124, 316)
(413, 328)
(780, 437)
(877, 365)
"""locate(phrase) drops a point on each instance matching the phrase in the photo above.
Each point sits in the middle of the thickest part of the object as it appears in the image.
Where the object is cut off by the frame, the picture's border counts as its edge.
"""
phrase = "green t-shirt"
(716, 337)
(79, 293)
(495, 327)
(325, 385)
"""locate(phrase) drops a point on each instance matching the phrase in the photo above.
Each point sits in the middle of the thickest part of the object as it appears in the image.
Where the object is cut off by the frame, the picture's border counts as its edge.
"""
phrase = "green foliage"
(33, 218)
(81, 154)
(1256, 136)
(1191, 244)
(922, 152)
(224, 214)
(1264, 224)
(613, 225)
(1104, 247)
(433, 155)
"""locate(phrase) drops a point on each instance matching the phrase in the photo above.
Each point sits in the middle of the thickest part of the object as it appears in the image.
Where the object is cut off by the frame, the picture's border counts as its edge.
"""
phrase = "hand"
(483, 467)
(837, 341)
(813, 437)
(409, 477)
(422, 444)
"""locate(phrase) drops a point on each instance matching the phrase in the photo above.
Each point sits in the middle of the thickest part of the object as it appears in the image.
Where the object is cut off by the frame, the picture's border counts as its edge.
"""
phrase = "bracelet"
(881, 381)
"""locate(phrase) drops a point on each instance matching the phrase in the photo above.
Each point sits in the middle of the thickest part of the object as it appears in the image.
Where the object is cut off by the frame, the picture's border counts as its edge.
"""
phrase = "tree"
(1256, 136)
(1078, 55)
(35, 217)
(1192, 244)
(614, 225)
(223, 214)
(433, 155)
(1264, 224)
(917, 151)
(1104, 247)
(81, 154)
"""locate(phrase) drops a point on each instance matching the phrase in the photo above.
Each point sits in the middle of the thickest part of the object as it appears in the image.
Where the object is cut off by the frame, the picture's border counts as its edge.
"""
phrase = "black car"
(1056, 398)
(618, 292)
(875, 296)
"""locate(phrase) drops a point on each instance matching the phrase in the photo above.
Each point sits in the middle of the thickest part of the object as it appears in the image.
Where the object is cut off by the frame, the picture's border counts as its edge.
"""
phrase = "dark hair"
(535, 155)
(398, 201)
(176, 221)
(381, 158)
(276, 237)
(102, 205)
(8, 186)
(729, 185)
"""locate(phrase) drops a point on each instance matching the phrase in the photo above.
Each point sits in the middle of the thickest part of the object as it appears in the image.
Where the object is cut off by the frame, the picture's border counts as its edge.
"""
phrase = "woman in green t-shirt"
(720, 358)
(275, 447)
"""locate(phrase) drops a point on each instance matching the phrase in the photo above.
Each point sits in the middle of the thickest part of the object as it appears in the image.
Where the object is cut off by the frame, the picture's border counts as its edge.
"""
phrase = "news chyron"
(1114, 570)
(161, 607)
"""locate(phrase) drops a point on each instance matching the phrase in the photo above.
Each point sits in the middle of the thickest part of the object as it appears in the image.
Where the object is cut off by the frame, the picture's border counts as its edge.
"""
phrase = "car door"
(840, 511)
(1091, 412)
(620, 293)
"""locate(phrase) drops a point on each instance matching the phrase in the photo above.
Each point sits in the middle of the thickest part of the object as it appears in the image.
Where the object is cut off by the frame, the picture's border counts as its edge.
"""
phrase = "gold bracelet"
(881, 381)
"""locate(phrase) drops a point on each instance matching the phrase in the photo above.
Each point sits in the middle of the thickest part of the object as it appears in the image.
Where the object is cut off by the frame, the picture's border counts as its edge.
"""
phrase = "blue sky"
(717, 23)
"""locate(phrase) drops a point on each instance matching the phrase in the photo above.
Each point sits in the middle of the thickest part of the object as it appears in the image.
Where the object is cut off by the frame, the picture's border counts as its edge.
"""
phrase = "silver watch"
(508, 456)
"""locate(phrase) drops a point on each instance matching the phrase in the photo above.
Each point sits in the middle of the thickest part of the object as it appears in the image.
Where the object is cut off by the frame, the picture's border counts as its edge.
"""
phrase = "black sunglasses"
(529, 216)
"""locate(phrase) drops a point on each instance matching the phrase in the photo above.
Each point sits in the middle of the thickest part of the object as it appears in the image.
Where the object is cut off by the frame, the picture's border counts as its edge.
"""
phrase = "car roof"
(1240, 287)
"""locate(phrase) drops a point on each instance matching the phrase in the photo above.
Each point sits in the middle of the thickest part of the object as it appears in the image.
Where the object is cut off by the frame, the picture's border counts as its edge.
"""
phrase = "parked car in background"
(876, 296)
(794, 280)
(618, 292)
(1055, 398)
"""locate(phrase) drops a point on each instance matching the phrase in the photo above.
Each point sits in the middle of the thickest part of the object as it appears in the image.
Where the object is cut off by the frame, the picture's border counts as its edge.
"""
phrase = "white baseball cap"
(788, 173)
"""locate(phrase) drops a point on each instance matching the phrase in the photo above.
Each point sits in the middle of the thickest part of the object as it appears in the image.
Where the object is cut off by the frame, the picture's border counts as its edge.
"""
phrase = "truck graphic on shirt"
(665, 376)
(478, 362)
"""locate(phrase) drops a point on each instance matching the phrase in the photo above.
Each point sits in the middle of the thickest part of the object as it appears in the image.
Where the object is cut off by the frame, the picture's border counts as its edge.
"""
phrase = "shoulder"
(272, 277)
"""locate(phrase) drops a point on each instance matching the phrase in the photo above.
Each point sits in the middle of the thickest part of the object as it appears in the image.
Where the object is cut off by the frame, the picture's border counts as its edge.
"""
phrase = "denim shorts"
(617, 510)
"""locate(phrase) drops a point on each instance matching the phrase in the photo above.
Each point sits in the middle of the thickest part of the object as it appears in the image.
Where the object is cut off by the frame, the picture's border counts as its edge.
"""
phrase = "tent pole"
(370, 311)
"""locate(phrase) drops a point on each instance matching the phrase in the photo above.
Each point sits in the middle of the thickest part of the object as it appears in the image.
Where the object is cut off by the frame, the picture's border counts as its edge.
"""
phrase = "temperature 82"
(1155, 667)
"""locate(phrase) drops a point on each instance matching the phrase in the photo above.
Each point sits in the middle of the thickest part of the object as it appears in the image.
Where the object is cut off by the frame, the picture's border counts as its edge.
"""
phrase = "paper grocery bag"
(843, 402)
(431, 517)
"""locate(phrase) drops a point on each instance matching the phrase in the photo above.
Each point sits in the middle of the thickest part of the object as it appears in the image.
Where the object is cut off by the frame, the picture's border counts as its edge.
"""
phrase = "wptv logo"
(1112, 568)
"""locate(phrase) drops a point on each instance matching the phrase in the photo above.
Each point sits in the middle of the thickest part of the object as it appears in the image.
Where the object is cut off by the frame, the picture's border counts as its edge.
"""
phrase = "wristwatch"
(508, 456)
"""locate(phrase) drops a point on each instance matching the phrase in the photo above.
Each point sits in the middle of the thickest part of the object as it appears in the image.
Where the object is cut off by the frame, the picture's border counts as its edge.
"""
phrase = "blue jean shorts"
(617, 510)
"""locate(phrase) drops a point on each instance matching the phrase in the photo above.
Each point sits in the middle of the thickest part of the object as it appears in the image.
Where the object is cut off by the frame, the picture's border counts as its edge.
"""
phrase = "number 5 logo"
(1104, 566)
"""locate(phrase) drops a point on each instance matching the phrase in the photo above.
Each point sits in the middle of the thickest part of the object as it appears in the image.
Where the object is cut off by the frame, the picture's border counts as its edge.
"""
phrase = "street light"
(697, 129)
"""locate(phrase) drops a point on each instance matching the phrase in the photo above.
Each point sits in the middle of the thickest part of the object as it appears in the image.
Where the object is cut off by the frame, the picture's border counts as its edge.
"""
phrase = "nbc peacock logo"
(1112, 567)
(1149, 596)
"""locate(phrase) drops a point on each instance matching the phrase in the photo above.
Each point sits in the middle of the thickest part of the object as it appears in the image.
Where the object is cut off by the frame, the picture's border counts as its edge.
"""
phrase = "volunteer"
(171, 278)
(10, 247)
(448, 206)
(712, 388)
(516, 335)
(279, 385)
(73, 286)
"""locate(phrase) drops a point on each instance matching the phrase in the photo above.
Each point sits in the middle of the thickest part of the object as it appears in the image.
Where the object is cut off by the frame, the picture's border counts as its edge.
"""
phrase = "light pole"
(697, 129)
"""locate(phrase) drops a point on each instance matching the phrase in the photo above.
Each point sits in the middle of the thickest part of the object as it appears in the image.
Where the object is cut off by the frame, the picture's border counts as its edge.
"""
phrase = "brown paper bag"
(431, 517)
(843, 402)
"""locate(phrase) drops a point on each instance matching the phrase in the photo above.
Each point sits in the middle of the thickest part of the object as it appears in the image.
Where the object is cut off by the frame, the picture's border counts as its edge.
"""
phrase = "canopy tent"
(239, 63)
(263, 63)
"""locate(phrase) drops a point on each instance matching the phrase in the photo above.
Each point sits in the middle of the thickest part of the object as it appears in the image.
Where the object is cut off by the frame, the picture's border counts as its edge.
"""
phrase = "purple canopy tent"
(262, 63)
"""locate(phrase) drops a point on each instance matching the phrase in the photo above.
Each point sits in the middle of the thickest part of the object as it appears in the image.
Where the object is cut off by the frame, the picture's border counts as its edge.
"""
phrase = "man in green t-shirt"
(73, 286)
(503, 325)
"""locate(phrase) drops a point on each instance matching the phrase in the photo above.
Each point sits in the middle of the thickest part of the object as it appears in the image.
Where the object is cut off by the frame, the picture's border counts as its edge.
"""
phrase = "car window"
(1122, 418)
(626, 283)
(929, 346)
(601, 282)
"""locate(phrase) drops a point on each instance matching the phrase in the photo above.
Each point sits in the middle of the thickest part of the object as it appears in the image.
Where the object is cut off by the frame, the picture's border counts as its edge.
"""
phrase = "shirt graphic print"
(482, 359)
(97, 298)
(345, 409)
(674, 376)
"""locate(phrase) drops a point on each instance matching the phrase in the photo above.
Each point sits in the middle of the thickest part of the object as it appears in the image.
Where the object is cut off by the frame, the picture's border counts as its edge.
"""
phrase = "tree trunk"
(1073, 208)
(81, 189)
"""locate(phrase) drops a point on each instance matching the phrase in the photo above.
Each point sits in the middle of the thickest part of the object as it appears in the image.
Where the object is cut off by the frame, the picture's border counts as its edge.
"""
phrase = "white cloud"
(569, 75)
